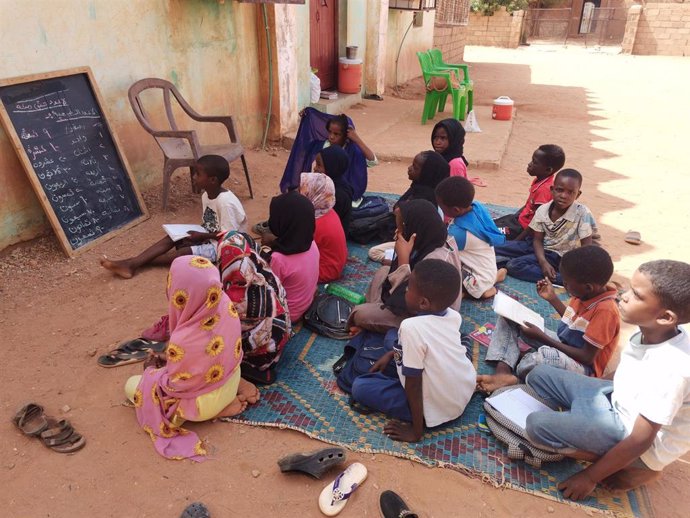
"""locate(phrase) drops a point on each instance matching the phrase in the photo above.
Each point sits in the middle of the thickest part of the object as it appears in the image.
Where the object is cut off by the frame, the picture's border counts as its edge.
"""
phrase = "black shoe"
(315, 463)
(392, 506)
(195, 510)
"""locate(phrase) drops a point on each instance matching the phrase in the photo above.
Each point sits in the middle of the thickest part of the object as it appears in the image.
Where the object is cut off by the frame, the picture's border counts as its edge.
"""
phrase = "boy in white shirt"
(435, 377)
(631, 428)
(222, 211)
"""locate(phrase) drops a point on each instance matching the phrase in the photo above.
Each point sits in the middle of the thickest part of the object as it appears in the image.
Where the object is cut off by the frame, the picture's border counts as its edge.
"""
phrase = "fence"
(596, 26)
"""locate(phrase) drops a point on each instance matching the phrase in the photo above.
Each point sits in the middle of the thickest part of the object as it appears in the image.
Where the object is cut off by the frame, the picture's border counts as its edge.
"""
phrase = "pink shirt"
(458, 167)
(299, 274)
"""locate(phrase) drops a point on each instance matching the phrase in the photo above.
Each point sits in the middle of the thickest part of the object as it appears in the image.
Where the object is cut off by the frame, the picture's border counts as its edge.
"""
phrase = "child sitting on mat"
(587, 334)
(475, 235)
(435, 377)
(633, 427)
(545, 163)
(222, 211)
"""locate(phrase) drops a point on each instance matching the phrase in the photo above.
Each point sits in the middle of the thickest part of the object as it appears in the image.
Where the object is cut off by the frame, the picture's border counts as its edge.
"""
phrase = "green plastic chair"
(433, 97)
(437, 62)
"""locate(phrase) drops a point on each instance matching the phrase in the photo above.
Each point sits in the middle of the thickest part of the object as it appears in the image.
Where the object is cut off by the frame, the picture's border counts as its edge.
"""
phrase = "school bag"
(379, 228)
(328, 315)
(360, 354)
(514, 436)
(369, 207)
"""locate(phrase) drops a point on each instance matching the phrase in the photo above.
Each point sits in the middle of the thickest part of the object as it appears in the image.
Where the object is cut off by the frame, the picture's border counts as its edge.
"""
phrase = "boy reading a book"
(587, 334)
(222, 211)
(630, 428)
(435, 378)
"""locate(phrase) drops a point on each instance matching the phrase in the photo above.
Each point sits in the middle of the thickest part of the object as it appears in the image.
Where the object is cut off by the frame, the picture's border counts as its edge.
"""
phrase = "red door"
(323, 33)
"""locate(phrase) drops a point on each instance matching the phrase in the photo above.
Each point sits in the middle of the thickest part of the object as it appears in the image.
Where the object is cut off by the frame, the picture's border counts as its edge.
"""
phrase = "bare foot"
(235, 408)
(119, 268)
(490, 382)
(501, 275)
(630, 478)
(489, 293)
(248, 392)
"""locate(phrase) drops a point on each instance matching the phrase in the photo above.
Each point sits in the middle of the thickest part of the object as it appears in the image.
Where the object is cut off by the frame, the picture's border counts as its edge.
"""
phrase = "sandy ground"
(620, 121)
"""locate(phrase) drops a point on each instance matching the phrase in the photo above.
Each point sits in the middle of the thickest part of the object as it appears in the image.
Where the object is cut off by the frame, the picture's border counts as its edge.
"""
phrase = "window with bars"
(452, 12)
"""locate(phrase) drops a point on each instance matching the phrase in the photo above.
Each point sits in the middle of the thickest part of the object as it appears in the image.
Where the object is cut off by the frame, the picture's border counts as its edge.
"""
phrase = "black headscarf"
(335, 163)
(456, 139)
(291, 219)
(434, 169)
(419, 217)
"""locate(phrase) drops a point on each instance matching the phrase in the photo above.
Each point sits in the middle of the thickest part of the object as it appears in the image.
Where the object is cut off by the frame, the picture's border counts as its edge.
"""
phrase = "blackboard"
(62, 136)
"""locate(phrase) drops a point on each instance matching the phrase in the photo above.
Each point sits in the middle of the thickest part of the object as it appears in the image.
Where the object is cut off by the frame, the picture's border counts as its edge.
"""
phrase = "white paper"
(519, 313)
(389, 254)
(516, 405)
(180, 231)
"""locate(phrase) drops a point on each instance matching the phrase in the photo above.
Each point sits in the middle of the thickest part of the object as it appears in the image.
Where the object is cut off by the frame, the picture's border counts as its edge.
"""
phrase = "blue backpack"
(370, 206)
(360, 354)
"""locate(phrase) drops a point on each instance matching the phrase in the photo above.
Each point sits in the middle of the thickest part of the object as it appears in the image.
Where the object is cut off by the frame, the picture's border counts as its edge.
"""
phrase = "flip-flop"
(31, 420)
(476, 180)
(315, 463)
(633, 237)
(195, 510)
(392, 506)
(334, 496)
(117, 358)
(142, 344)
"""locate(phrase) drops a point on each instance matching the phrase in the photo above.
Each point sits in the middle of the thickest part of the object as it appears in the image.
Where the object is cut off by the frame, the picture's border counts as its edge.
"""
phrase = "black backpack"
(328, 316)
(370, 206)
(379, 228)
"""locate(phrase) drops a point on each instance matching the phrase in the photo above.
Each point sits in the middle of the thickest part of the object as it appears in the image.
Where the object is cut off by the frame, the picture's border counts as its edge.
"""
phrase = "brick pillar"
(631, 28)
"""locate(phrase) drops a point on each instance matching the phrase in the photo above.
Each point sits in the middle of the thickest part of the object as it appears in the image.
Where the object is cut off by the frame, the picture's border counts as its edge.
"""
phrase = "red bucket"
(503, 109)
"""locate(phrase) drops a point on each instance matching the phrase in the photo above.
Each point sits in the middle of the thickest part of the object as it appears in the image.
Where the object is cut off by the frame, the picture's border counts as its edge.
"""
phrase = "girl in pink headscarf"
(200, 376)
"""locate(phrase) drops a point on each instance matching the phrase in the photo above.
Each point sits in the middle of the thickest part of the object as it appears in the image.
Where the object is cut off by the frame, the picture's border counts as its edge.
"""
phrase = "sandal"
(195, 510)
(118, 357)
(57, 433)
(633, 237)
(74, 442)
(334, 496)
(31, 420)
(315, 463)
(261, 228)
(392, 506)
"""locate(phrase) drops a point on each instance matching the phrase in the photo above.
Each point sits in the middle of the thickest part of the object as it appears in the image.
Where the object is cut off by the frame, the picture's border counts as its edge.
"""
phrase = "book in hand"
(177, 232)
(516, 405)
(511, 309)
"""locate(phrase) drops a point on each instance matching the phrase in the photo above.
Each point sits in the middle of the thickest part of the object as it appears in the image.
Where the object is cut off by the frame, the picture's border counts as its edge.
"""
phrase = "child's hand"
(403, 248)
(545, 289)
(548, 271)
(154, 360)
(532, 332)
(196, 237)
(578, 486)
(382, 362)
(352, 135)
(399, 431)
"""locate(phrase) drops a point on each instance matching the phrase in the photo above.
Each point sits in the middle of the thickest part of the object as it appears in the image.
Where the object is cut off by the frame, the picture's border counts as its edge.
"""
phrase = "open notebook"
(511, 309)
(179, 231)
(516, 405)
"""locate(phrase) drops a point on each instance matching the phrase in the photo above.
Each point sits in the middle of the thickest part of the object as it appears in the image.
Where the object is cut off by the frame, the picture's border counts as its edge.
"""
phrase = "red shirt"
(539, 194)
(330, 239)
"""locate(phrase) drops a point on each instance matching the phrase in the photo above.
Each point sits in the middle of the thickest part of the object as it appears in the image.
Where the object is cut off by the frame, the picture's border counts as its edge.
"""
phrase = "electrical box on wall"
(412, 5)
(418, 19)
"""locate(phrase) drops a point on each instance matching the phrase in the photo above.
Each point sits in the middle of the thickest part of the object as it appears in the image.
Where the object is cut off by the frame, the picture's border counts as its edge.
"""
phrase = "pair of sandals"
(59, 436)
(132, 351)
(335, 495)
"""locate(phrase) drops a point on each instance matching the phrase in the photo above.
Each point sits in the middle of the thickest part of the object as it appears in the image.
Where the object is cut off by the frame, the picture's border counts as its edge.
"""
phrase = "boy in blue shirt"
(475, 235)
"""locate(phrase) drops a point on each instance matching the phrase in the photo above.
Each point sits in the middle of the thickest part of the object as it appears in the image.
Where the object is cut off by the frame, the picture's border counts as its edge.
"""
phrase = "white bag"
(315, 83)
(471, 124)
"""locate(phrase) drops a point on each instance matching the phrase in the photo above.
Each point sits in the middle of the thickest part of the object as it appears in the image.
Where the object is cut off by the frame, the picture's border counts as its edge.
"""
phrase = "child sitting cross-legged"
(475, 234)
(435, 378)
(558, 226)
(587, 334)
(630, 428)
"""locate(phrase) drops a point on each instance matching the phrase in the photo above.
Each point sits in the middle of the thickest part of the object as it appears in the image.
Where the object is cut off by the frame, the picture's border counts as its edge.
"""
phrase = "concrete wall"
(206, 48)
(417, 39)
(500, 30)
(663, 29)
(451, 39)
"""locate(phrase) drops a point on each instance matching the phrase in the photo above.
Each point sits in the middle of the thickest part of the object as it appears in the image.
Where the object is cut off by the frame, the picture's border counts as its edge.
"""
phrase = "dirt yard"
(621, 122)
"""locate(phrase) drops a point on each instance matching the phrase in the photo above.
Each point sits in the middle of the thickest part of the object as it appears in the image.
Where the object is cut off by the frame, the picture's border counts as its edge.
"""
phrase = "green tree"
(489, 7)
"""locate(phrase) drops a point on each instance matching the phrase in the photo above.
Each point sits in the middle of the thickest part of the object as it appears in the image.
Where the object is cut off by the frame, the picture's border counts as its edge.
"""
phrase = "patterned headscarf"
(320, 191)
(204, 350)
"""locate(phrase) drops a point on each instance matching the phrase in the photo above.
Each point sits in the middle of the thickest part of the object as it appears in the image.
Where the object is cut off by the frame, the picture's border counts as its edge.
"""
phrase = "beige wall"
(500, 30)
(451, 39)
(417, 39)
(663, 29)
(206, 48)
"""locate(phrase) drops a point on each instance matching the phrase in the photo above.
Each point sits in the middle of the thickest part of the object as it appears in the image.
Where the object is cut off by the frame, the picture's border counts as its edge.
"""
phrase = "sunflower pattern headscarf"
(204, 350)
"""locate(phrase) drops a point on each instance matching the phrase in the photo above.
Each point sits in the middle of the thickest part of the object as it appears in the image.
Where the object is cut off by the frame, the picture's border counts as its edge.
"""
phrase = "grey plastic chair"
(181, 148)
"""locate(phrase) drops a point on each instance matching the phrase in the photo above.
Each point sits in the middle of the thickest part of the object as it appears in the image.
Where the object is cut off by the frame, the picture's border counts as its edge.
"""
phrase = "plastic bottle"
(340, 291)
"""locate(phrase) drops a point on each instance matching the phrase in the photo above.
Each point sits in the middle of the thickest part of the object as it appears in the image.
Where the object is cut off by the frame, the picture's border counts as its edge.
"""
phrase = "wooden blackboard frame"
(14, 138)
